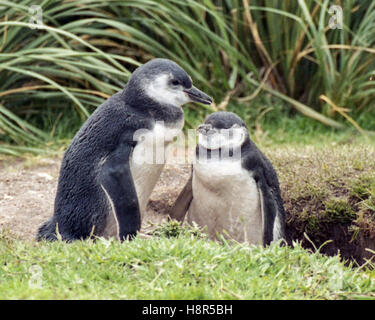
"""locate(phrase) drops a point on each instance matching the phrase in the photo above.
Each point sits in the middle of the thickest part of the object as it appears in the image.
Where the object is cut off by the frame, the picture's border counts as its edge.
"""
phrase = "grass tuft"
(174, 229)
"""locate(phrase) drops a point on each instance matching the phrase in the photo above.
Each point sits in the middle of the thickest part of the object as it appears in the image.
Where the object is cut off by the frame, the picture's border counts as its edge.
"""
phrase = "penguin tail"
(47, 231)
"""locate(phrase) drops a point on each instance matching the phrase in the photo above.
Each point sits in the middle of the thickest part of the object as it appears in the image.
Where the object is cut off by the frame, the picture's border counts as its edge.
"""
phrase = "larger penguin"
(104, 182)
(234, 189)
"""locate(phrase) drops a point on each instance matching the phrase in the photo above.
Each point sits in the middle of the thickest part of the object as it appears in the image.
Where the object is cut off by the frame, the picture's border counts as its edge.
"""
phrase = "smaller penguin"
(234, 189)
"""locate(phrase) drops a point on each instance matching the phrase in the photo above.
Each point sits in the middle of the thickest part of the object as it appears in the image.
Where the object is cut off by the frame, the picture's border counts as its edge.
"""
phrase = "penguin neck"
(152, 109)
(247, 146)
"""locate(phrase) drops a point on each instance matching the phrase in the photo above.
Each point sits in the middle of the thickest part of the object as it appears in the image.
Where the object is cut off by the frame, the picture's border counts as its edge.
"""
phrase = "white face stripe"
(160, 91)
(223, 139)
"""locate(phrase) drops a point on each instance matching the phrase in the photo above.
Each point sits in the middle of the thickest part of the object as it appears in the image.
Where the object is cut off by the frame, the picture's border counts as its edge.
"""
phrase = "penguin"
(105, 178)
(234, 189)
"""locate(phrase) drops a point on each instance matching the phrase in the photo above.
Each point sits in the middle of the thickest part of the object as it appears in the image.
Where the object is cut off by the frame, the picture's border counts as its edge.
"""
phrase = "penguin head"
(165, 82)
(222, 130)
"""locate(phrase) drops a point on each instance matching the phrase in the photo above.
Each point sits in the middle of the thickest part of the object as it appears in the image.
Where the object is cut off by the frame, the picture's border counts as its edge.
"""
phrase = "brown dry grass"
(321, 188)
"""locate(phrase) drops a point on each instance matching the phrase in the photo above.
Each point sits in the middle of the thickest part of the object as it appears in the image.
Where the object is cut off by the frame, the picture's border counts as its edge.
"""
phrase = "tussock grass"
(86, 49)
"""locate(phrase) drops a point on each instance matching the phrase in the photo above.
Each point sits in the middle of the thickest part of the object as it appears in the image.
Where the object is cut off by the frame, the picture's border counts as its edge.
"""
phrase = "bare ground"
(28, 187)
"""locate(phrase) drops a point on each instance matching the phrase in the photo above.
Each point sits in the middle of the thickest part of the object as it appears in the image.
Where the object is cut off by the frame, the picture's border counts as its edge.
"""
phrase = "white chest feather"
(148, 159)
(226, 200)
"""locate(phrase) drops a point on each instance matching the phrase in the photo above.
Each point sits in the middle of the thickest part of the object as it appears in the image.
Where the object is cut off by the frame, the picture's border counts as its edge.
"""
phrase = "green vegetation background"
(277, 64)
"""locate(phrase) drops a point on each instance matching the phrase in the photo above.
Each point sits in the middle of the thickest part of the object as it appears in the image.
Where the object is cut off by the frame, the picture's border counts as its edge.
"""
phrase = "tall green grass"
(86, 50)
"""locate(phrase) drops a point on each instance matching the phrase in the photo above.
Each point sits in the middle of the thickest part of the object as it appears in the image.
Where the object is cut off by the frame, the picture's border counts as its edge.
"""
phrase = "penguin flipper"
(182, 204)
(117, 181)
(268, 213)
(272, 213)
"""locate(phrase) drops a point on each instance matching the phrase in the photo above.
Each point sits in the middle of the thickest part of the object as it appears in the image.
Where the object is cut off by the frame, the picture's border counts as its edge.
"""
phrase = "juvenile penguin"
(234, 189)
(105, 179)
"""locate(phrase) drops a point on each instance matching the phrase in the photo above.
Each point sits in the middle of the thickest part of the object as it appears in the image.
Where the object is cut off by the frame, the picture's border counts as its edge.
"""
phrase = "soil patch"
(28, 188)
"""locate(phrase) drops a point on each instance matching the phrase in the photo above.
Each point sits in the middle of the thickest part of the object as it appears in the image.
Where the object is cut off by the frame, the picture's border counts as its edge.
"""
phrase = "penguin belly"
(226, 201)
(145, 178)
(148, 159)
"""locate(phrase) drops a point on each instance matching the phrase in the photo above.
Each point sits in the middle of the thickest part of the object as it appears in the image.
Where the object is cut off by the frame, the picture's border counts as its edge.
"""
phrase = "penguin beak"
(198, 96)
(205, 129)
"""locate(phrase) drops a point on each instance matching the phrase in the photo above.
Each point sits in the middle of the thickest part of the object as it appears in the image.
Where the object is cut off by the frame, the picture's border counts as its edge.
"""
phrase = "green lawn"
(183, 267)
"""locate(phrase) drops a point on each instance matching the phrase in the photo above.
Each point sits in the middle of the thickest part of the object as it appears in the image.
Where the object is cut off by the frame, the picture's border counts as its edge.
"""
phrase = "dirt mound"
(329, 194)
